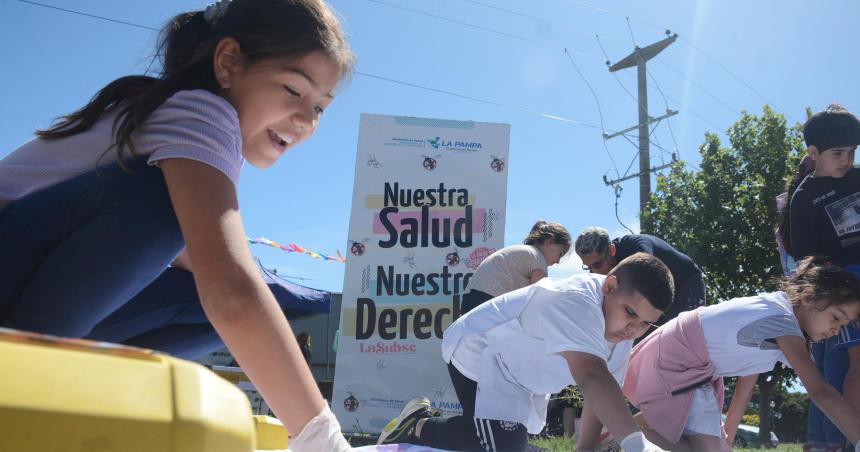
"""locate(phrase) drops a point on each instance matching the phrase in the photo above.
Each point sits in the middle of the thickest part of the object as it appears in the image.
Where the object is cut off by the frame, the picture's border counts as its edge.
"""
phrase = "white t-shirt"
(740, 333)
(516, 339)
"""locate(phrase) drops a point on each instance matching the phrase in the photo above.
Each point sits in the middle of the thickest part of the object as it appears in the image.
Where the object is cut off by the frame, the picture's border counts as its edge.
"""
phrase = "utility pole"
(638, 59)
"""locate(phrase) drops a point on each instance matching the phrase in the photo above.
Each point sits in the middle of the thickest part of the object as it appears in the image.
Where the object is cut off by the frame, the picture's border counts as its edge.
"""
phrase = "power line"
(702, 118)
(692, 166)
(475, 99)
(635, 101)
(674, 141)
(662, 93)
(617, 190)
(615, 75)
(476, 2)
(447, 19)
(630, 29)
(88, 15)
(539, 19)
(659, 89)
(688, 42)
(612, 13)
(599, 110)
(662, 151)
(692, 112)
(712, 95)
(478, 27)
(510, 107)
(632, 160)
(364, 74)
(629, 138)
(628, 20)
(666, 102)
(668, 122)
(727, 71)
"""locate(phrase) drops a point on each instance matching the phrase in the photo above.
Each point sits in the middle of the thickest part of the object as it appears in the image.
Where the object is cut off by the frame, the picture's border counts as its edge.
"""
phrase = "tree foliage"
(791, 410)
(724, 215)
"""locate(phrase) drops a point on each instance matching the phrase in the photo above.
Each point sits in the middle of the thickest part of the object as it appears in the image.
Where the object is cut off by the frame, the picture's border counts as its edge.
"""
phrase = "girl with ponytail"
(95, 208)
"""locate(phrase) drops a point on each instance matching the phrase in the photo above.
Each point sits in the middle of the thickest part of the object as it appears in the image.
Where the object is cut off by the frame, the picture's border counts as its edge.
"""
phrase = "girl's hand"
(743, 393)
(825, 396)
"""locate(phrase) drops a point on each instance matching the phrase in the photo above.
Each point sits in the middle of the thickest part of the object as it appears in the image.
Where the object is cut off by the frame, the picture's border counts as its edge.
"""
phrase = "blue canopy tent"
(296, 301)
(167, 315)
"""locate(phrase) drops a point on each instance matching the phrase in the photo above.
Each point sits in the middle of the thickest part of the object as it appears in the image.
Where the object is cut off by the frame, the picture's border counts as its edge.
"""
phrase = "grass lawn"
(553, 444)
(560, 444)
(780, 448)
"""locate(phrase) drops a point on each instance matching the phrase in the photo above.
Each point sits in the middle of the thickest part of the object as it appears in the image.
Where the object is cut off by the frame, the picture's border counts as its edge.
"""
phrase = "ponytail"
(544, 230)
(804, 168)
(186, 46)
(287, 29)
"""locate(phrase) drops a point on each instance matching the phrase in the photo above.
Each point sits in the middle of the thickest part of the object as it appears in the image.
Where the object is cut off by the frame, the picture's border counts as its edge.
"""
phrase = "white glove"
(321, 433)
(857, 447)
(636, 442)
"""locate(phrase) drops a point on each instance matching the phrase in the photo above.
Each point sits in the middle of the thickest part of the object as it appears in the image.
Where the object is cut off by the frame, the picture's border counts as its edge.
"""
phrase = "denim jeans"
(833, 365)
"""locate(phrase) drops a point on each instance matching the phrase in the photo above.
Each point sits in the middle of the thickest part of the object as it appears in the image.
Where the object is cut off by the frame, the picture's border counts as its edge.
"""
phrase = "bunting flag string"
(293, 248)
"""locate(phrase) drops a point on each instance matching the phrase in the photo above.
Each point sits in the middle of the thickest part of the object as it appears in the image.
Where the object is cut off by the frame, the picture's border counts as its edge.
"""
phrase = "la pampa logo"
(453, 145)
(435, 143)
(405, 142)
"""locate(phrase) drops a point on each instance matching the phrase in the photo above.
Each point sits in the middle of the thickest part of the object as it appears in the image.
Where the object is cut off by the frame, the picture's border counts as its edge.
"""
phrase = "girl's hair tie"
(215, 11)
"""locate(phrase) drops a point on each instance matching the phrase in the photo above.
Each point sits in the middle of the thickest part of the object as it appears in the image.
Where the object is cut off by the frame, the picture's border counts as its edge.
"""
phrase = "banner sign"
(428, 206)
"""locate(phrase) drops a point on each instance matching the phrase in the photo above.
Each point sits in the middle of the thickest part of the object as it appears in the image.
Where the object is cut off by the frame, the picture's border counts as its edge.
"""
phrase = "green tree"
(724, 215)
(791, 410)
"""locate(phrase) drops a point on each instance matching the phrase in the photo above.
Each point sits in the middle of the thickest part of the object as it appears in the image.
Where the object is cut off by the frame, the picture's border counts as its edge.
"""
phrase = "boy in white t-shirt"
(509, 354)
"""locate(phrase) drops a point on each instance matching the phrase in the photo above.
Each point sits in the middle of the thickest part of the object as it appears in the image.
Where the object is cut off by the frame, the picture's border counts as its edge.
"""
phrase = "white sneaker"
(402, 428)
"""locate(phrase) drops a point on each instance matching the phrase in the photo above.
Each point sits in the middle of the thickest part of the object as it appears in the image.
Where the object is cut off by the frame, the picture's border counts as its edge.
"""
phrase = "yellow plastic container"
(82, 396)
(271, 434)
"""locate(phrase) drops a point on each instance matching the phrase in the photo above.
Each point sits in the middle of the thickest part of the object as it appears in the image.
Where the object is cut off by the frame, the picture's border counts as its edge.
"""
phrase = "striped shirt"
(848, 337)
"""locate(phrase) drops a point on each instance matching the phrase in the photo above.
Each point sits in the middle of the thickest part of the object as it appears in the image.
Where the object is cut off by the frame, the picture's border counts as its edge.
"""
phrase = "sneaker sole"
(411, 407)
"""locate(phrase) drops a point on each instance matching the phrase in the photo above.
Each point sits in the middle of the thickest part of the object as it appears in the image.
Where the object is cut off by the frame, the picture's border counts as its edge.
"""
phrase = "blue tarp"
(296, 300)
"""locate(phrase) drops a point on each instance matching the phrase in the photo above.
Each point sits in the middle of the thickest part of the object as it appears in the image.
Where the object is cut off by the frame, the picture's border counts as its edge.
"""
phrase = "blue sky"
(508, 56)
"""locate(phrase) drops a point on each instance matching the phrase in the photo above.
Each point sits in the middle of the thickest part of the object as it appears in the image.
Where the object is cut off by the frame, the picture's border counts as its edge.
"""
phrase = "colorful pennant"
(293, 248)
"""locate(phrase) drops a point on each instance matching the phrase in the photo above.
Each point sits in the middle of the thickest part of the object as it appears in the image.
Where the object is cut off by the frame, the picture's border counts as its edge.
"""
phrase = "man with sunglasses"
(599, 255)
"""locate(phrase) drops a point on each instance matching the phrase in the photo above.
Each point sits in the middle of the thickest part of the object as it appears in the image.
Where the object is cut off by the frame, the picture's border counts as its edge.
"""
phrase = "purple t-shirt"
(196, 125)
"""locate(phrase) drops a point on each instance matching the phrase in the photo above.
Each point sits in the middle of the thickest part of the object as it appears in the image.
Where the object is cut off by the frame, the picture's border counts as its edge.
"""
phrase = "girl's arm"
(743, 393)
(233, 295)
(822, 393)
